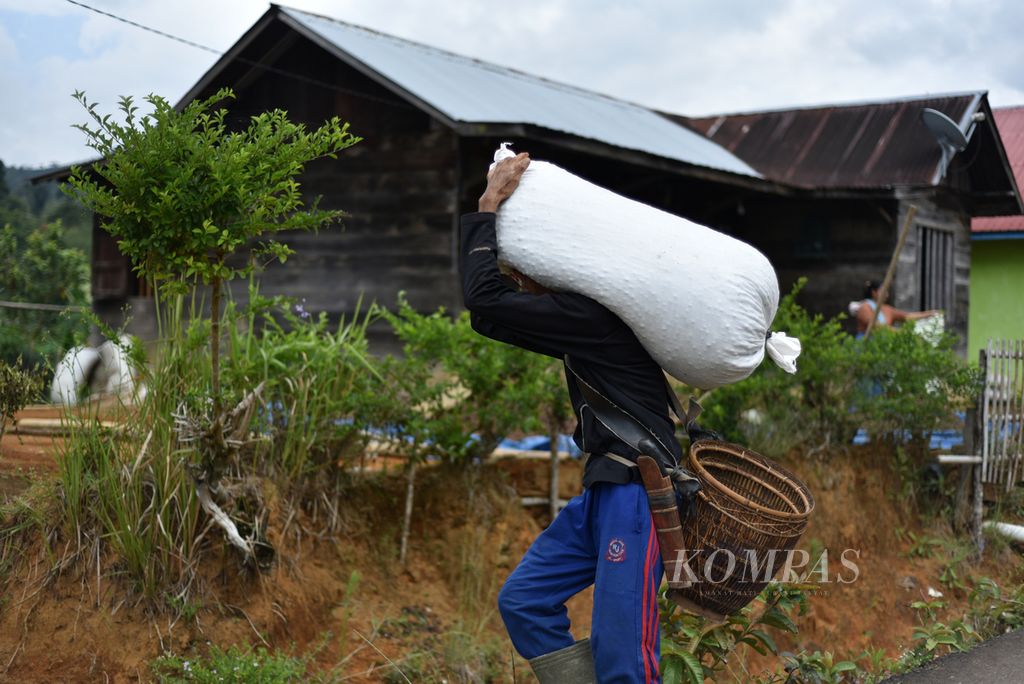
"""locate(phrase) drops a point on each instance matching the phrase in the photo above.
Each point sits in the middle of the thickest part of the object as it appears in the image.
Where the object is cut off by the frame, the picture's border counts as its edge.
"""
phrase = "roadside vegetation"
(44, 243)
(898, 385)
(260, 419)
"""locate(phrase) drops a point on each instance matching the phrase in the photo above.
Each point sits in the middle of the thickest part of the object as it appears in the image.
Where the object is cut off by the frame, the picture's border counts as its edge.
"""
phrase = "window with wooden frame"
(935, 267)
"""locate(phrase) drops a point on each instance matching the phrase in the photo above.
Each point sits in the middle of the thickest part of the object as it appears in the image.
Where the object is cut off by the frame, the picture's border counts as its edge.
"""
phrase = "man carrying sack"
(605, 536)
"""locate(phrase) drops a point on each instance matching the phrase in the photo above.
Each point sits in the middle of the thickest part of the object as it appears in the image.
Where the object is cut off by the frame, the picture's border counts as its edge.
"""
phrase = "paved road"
(994, 661)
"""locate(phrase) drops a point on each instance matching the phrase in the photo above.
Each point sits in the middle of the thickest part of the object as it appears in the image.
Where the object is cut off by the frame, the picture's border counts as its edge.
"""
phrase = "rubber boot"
(570, 665)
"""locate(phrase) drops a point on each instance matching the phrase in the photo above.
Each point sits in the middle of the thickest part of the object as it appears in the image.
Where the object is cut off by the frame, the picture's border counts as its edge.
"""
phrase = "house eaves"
(870, 147)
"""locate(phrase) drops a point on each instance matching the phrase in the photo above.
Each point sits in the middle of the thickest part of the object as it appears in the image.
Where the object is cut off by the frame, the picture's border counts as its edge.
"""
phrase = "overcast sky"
(686, 56)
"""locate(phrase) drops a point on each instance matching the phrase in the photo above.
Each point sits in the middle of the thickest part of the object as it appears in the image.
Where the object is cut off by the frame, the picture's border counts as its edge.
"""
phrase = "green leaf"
(766, 639)
(777, 619)
(671, 670)
(754, 644)
(693, 668)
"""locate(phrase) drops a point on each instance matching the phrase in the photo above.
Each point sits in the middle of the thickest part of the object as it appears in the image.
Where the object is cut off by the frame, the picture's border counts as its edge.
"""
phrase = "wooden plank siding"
(397, 236)
(914, 278)
(836, 244)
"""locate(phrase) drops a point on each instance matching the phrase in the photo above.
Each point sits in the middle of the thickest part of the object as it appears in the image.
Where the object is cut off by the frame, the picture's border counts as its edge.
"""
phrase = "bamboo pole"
(883, 292)
(31, 306)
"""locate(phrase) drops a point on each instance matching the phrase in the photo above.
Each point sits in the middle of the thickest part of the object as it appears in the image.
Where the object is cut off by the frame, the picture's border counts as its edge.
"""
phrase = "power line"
(146, 28)
(249, 62)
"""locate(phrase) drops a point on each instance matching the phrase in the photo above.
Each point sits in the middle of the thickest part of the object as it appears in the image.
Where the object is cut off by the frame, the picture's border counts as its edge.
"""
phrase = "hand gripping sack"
(699, 301)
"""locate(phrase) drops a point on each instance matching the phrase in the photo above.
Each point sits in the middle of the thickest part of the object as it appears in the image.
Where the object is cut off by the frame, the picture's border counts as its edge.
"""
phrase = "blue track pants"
(603, 537)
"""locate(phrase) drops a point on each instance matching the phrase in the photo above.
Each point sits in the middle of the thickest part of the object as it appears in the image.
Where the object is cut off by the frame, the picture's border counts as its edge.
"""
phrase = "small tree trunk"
(553, 479)
(215, 348)
(220, 446)
(407, 519)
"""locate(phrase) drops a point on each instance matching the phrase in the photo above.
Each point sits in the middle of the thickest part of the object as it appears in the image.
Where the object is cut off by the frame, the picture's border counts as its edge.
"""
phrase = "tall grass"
(309, 370)
(128, 489)
(132, 491)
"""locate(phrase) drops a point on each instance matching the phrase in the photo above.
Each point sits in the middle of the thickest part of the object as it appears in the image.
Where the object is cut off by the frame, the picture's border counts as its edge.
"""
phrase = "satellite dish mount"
(949, 136)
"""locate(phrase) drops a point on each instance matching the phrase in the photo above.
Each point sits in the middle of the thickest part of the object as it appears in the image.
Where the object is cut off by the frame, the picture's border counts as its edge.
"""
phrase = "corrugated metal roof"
(471, 91)
(1010, 122)
(869, 145)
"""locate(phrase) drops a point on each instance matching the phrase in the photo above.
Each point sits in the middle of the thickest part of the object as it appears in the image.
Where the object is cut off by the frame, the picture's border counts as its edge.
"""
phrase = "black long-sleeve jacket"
(603, 350)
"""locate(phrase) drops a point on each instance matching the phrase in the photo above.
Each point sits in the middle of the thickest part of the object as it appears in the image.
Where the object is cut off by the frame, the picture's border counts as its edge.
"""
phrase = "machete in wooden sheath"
(661, 497)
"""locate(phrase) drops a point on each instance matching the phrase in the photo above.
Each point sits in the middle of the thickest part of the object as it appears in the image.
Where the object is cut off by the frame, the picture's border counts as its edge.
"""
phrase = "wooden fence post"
(978, 430)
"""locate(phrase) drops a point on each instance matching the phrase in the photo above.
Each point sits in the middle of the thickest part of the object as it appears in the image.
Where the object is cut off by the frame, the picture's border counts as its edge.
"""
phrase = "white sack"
(699, 301)
(71, 379)
(115, 375)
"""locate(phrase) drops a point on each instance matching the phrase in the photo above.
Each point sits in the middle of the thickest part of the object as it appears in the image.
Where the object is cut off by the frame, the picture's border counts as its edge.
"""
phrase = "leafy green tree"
(40, 204)
(184, 195)
(38, 267)
(14, 211)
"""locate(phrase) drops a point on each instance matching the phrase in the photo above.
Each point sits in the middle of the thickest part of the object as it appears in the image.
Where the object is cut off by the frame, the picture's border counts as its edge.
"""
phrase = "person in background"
(889, 315)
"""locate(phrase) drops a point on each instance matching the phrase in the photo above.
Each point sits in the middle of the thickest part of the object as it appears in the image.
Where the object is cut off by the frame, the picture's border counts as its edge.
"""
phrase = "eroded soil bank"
(343, 596)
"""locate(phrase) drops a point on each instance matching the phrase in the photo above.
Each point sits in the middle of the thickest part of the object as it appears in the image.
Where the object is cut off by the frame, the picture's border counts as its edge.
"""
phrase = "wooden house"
(820, 191)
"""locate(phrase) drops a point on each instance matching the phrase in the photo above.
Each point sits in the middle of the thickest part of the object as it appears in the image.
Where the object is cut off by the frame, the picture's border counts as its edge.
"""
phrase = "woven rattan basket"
(748, 508)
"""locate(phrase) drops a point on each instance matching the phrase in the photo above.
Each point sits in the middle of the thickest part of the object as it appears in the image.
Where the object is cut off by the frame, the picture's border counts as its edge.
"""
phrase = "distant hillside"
(45, 203)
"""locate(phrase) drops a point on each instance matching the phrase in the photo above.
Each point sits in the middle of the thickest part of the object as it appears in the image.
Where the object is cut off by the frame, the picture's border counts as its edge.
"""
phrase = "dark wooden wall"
(836, 244)
(397, 186)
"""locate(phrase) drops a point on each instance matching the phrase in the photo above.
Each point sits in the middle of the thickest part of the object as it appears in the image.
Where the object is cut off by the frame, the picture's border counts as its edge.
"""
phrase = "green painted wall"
(996, 292)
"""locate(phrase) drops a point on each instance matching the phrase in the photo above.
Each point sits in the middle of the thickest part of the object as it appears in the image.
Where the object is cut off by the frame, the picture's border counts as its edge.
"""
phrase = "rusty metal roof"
(1010, 122)
(869, 145)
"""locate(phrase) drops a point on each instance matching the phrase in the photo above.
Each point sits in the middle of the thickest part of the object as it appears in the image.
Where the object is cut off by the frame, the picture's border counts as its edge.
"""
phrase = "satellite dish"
(944, 129)
(949, 136)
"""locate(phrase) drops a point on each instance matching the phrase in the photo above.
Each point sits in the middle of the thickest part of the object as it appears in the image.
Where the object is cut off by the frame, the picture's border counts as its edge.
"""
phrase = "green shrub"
(18, 388)
(896, 384)
(454, 393)
(908, 384)
(310, 370)
(234, 665)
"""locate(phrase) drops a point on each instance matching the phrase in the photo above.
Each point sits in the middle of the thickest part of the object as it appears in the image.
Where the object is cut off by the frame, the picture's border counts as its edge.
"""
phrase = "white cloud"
(8, 50)
(694, 57)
